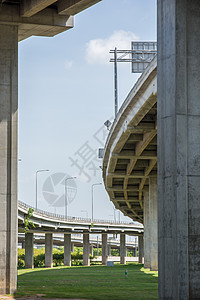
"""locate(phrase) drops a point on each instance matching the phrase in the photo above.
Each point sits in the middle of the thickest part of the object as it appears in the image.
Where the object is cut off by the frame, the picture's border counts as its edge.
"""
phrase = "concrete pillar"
(179, 148)
(141, 248)
(146, 230)
(109, 250)
(86, 249)
(67, 250)
(72, 247)
(153, 223)
(104, 248)
(91, 250)
(29, 250)
(8, 157)
(48, 250)
(122, 248)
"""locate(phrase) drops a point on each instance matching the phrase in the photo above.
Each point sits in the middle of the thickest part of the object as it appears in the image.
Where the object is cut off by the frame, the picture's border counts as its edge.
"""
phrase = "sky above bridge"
(65, 96)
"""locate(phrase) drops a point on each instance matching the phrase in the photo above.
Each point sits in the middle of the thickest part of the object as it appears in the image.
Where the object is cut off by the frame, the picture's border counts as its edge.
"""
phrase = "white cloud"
(68, 64)
(97, 51)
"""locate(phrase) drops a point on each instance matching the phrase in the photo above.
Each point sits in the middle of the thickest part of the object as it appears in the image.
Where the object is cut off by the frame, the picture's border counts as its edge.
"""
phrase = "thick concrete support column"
(86, 249)
(179, 148)
(122, 248)
(67, 249)
(104, 248)
(91, 250)
(48, 250)
(8, 157)
(146, 230)
(141, 248)
(153, 222)
(29, 250)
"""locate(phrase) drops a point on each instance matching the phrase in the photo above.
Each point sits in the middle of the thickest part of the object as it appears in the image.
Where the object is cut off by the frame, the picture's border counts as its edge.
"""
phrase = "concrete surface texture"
(122, 249)
(141, 249)
(86, 249)
(67, 249)
(146, 230)
(179, 149)
(48, 250)
(29, 250)
(104, 248)
(153, 223)
(8, 157)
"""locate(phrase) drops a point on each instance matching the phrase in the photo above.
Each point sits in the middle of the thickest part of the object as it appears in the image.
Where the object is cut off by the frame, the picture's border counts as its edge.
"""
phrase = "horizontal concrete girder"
(29, 8)
(44, 23)
(72, 7)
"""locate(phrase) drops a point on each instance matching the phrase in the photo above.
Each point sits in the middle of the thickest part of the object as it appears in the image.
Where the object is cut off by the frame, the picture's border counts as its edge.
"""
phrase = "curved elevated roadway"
(130, 155)
(50, 223)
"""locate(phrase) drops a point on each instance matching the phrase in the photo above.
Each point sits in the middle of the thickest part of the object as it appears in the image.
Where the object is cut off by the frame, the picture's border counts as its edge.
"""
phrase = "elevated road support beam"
(28, 8)
(45, 23)
(72, 7)
(179, 148)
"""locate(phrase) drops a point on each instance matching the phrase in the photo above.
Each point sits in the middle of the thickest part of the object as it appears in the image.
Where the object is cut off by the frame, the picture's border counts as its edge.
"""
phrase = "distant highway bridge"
(56, 229)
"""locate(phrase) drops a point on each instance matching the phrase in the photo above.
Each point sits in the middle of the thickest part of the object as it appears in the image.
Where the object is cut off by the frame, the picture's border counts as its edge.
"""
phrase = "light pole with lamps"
(93, 198)
(66, 194)
(38, 171)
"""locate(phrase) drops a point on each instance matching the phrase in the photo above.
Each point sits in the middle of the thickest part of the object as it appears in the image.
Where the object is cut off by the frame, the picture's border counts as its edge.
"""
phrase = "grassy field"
(95, 282)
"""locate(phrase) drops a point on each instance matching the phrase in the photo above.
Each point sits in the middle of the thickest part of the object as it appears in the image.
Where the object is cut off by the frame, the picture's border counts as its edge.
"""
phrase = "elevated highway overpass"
(52, 229)
(130, 155)
(130, 160)
(52, 223)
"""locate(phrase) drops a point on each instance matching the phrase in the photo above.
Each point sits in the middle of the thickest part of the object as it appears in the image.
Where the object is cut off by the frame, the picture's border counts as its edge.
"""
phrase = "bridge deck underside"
(131, 156)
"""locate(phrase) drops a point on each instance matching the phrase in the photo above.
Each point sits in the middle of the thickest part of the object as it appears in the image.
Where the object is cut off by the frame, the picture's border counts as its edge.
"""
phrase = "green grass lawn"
(94, 282)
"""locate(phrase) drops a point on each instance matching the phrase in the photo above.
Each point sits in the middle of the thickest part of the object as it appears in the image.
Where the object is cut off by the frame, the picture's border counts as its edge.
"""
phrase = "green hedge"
(58, 257)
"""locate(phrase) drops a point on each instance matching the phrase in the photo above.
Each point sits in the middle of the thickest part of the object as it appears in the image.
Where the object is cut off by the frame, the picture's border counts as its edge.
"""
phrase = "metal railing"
(59, 217)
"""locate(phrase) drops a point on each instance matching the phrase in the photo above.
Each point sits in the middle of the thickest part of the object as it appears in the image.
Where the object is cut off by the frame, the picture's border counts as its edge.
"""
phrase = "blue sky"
(66, 95)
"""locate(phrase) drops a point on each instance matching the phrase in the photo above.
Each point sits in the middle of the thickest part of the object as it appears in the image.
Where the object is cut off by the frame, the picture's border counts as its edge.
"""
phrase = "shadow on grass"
(94, 282)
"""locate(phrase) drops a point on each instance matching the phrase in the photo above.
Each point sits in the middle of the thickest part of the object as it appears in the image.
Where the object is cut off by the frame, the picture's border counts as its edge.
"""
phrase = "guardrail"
(70, 218)
(78, 219)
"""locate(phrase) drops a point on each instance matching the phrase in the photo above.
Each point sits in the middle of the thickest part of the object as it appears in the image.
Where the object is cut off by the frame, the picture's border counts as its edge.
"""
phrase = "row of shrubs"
(58, 257)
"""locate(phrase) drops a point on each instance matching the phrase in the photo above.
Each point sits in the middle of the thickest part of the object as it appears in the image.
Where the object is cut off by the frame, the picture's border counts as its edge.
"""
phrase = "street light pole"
(66, 194)
(93, 199)
(38, 171)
